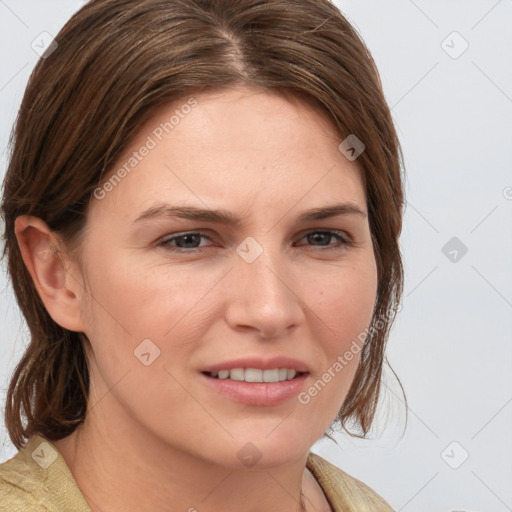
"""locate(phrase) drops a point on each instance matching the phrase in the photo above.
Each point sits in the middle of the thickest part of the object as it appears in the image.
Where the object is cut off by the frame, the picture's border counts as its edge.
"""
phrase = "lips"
(259, 363)
(255, 374)
(250, 390)
(258, 394)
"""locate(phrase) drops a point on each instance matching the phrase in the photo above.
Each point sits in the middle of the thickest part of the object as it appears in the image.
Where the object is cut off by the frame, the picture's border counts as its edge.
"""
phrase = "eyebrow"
(163, 210)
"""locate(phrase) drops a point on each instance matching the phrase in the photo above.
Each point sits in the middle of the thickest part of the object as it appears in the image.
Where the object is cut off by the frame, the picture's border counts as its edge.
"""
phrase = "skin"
(156, 438)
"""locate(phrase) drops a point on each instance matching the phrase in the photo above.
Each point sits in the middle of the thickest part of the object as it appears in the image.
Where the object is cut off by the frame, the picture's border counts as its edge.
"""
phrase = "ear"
(50, 269)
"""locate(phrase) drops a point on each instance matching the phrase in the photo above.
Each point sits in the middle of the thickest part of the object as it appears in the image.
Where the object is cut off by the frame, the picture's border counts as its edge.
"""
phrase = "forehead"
(243, 146)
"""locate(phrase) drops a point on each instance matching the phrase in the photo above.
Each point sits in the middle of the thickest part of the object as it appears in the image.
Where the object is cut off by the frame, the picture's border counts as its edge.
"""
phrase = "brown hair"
(119, 60)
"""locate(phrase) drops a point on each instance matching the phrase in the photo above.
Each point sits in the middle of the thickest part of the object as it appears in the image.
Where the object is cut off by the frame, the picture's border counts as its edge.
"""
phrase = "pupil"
(189, 237)
(315, 237)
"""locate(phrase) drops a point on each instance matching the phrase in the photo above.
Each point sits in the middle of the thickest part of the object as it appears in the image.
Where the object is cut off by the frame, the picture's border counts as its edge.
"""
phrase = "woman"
(202, 211)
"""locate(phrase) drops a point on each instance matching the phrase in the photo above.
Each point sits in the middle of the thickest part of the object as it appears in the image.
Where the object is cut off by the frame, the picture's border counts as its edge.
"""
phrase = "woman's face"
(174, 291)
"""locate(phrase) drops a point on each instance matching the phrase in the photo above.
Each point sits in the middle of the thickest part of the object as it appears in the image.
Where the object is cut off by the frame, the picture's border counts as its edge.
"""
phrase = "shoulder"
(37, 479)
(14, 499)
(344, 492)
(17, 487)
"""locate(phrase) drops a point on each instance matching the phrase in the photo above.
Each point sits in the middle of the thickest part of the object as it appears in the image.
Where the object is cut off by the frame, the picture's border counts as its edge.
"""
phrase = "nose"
(264, 295)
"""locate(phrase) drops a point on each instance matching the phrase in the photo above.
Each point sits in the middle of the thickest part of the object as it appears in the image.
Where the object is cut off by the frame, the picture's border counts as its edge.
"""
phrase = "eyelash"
(343, 241)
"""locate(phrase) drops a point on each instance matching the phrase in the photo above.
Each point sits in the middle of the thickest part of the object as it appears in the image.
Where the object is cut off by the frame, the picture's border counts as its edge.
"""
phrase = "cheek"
(344, 306)
(162, 304)
(140, 301)
(345, 302)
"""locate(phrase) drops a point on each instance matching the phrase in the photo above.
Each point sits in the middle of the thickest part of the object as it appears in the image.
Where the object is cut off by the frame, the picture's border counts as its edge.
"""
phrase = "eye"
(183, 241)
(323, 238)
(190, 242)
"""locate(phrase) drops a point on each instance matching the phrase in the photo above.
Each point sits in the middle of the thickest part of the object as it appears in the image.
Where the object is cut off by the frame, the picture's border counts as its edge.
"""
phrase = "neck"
(133, 471)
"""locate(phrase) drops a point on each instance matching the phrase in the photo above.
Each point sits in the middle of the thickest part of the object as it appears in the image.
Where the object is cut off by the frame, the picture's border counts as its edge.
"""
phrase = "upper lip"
(259, 362)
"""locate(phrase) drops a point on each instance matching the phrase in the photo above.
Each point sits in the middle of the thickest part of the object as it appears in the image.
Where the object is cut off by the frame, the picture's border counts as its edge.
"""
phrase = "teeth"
(256, 374)
(253, 375)
(236, 374)
(270, 375)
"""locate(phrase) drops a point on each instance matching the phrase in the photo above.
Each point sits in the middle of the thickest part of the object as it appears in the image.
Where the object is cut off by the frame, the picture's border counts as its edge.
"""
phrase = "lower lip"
(262, 394)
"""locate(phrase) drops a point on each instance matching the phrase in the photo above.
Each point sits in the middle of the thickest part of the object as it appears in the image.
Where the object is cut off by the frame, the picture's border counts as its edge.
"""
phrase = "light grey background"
(451, 345)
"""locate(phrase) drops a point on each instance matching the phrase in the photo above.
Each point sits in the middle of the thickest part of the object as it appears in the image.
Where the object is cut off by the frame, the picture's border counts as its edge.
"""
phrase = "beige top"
(37, 479)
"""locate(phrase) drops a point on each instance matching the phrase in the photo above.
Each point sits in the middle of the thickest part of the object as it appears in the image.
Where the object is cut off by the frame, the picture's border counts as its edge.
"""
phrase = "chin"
(263, 452)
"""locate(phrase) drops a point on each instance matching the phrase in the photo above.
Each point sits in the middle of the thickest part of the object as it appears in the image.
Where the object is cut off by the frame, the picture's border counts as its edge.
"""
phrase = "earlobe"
(49, 268)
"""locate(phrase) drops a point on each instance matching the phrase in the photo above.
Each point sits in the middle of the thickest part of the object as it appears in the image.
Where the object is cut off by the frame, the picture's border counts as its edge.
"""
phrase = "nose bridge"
(264, 298)
(261, 263)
